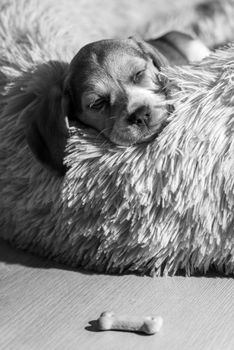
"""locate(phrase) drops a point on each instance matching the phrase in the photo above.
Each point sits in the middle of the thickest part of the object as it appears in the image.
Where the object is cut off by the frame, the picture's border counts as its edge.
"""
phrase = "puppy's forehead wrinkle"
(103, 48)
(106, 53)
(103, 81)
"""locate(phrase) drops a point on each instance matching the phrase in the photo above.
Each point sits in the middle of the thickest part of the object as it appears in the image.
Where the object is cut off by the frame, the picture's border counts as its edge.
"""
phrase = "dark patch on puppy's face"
(115, 89)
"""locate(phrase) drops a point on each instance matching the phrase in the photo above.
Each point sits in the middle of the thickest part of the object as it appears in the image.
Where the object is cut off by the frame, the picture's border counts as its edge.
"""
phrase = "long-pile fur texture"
(153, 208)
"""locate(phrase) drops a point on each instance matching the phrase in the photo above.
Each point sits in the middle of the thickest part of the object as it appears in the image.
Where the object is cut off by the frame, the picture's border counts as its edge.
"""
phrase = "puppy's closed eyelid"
(97, 104)
(138, 76)
(89, 98)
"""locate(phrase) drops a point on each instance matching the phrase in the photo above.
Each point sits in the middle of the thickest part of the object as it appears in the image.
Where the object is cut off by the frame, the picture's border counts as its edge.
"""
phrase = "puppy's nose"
(140, 116)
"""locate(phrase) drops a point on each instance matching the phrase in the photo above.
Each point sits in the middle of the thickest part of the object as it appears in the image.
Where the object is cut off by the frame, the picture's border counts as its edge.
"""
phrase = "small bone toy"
(146, 324)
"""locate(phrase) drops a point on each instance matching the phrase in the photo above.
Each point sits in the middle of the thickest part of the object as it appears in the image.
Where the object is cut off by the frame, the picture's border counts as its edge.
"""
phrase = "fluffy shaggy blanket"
(152, 208)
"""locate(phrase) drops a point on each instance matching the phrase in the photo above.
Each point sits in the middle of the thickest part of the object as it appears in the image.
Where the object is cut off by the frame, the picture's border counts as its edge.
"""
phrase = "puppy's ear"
(159, 60)
(46, 127)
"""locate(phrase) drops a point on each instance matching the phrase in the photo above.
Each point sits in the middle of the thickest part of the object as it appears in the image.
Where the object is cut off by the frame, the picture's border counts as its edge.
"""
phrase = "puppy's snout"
(141, 116)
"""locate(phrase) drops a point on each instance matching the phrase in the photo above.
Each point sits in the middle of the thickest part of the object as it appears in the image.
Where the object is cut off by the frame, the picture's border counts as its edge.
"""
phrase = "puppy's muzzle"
(141, 116)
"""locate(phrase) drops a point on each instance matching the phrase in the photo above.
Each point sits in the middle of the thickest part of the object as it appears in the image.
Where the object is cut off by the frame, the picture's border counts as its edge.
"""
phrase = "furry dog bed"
(153, 208)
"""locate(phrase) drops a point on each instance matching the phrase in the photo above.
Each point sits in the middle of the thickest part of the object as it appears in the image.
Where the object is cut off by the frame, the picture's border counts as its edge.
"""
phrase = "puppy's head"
(110, 85)
(114, 88)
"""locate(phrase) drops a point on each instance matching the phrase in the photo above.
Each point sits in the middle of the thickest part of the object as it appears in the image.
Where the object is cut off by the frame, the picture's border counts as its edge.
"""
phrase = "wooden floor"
(45, 306)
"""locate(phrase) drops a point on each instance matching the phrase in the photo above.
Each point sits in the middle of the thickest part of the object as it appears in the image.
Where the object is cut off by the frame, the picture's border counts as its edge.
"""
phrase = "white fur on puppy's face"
(120, 80)
(125, 133)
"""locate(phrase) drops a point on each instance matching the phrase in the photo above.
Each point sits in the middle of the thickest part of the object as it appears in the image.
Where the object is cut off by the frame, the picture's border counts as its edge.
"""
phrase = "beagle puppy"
(112, 86)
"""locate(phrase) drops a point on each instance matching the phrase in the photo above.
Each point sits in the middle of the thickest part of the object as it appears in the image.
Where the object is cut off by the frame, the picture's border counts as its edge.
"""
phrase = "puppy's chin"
(124, 134)
(134, 135)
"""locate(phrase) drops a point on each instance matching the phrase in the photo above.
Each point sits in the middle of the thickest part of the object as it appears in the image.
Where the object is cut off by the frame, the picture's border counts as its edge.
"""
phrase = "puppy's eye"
(138, 76)
(97, 104)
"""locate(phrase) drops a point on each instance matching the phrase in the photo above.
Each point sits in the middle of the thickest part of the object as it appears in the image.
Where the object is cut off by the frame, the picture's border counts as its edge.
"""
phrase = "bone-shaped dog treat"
(146, 324)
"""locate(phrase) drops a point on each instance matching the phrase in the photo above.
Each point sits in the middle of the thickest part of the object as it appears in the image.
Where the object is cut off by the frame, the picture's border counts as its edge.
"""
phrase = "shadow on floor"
(12, 256)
